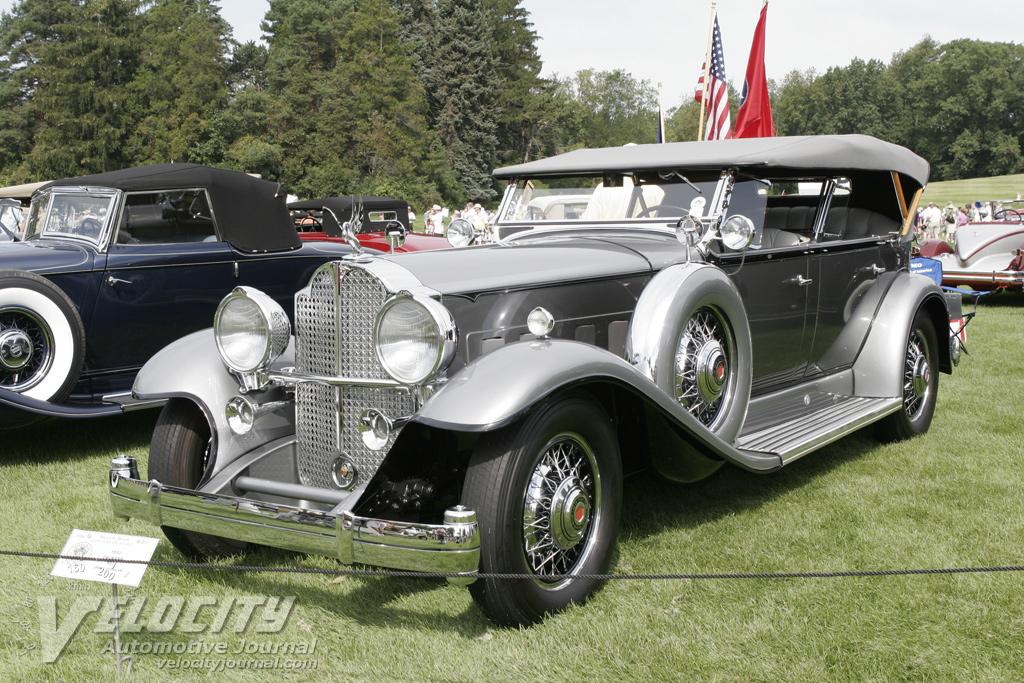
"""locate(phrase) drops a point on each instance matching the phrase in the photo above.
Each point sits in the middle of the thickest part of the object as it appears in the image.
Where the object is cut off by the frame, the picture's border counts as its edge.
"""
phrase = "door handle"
(800, 280)
(112, 281)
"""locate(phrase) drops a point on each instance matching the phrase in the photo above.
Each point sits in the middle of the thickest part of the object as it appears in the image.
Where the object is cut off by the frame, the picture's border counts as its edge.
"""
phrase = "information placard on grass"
(109, 547)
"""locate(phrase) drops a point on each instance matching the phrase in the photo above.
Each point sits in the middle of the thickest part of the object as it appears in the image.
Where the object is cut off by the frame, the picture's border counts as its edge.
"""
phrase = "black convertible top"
(251, 213)
(342, 208)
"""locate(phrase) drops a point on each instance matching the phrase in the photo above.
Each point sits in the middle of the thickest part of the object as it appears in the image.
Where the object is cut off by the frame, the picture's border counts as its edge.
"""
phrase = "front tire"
(920, 384)
(547, 492)
(179, 454)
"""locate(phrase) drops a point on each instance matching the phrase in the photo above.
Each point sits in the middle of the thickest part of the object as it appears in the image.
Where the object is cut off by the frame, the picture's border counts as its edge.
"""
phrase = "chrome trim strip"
(291, 377)
(129, 402)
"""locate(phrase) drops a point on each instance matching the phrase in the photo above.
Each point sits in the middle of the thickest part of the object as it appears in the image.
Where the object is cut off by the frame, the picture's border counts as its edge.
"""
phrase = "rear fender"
(878, 370)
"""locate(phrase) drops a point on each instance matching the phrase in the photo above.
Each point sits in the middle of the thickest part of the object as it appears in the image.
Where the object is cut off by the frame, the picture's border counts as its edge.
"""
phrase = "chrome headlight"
(415, 338)
(460, 232)
(251, 330)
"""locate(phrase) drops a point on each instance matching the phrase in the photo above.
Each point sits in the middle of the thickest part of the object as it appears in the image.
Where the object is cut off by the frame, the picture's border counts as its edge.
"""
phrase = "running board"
(815, 426)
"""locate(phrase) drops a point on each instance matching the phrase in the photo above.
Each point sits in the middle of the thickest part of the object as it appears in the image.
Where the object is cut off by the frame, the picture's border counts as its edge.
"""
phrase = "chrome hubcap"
(26, 349)
(916, 376)
(703, 366)
(712, 369)
(561, 508)
(921, 376)
(15, 349)
(570, 513)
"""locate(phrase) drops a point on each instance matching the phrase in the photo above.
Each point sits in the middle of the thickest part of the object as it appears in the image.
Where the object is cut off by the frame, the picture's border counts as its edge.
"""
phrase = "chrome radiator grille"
(334, 337)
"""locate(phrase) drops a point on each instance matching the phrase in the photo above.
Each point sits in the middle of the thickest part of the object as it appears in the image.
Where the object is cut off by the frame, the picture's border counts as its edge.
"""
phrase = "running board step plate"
(816, 426)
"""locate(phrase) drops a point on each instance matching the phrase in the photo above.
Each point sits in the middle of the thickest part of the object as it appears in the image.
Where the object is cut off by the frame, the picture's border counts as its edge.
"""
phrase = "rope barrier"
(205, 566)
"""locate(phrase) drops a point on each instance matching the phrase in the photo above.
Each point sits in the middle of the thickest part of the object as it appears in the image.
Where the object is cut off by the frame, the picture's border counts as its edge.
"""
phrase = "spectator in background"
(478, 218)
(432, 221)
(932, 221)
(974, 215)
(948, 220)
(412, 217)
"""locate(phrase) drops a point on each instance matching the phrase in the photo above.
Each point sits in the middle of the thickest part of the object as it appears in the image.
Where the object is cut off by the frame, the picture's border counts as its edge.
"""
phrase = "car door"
(165, 273)
(849, 259)
(776, 288)
(774, 279)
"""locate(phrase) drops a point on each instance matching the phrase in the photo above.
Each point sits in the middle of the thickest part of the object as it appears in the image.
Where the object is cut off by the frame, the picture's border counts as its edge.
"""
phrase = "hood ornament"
(350, 230)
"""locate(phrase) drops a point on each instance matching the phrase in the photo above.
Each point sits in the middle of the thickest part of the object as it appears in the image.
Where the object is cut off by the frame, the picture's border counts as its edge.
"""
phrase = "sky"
(664, 41)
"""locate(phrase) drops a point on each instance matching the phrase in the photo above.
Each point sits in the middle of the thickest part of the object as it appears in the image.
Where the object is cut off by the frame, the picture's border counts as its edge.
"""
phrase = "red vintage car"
(323, 220)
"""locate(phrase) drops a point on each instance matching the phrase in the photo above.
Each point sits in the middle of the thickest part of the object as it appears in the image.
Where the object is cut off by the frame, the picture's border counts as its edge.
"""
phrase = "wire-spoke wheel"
(561, 498)
(705, 366)
(42, 341)
(547, 493)
(920, 383)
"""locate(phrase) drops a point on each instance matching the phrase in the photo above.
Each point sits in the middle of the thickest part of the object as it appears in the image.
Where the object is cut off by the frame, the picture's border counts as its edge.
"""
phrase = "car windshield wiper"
(677, 174)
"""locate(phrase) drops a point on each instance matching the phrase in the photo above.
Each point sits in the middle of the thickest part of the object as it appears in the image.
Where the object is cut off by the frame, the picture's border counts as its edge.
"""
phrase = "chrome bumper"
(450, 548)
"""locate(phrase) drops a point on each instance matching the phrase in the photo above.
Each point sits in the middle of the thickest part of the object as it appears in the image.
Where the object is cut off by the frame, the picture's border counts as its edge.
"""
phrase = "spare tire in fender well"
(690, 336)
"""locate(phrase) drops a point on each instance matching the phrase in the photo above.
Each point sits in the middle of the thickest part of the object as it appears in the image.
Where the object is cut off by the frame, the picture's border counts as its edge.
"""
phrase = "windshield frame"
(40, 222)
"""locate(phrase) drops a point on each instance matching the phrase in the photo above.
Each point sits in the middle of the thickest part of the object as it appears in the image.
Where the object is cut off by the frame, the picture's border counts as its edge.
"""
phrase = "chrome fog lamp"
(240, 415)
(540, 322)
(415, 338)
(251, 330)
(460, 232)
(737, 232)
(375, 429)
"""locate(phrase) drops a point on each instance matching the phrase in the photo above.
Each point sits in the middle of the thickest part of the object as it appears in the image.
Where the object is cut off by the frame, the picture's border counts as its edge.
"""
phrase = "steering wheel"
(309, 224)
(646, 213)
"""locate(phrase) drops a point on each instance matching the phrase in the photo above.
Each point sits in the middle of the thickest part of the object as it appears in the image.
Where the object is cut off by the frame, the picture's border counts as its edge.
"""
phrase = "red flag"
(717, 103)
(754, 117)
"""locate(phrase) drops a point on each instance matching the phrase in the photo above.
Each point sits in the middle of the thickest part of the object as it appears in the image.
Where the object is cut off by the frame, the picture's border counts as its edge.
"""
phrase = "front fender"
(878, 370)
(504, 384)
(191, 368)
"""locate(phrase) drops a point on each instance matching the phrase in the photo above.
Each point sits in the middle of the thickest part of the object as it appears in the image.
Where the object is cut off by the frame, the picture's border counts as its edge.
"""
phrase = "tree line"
(420, 99)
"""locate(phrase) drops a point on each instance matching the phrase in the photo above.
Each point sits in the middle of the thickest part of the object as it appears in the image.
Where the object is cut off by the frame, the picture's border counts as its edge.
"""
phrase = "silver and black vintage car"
(472, 411)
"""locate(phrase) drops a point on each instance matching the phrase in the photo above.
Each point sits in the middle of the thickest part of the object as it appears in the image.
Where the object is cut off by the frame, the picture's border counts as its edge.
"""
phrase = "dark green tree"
(67, 68)
(965, 100)
(458, 73)
(451, 44)
(239, 135)
(859, 98)
(347, 113)
(379, 113)
(607, 109)
(182, 79)
(522, 102)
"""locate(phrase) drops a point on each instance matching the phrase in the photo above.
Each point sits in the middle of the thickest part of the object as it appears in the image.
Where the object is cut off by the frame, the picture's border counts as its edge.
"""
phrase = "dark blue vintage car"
(113, 267)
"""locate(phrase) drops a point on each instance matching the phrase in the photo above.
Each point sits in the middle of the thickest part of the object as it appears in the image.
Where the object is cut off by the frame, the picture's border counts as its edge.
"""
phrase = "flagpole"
(707, 70)
(661, 117)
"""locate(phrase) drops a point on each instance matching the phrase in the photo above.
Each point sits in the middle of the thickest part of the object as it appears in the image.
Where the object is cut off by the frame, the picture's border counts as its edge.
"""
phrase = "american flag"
(718, 125)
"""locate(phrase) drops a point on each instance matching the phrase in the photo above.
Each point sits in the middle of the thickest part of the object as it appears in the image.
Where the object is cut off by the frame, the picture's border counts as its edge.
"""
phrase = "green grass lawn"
(961, 192)
(948, 499)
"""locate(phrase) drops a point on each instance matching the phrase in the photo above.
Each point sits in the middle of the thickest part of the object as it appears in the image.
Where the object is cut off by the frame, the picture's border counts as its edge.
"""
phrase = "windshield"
(611, 198)
(74, 213)
(10, 219)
